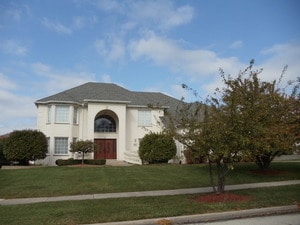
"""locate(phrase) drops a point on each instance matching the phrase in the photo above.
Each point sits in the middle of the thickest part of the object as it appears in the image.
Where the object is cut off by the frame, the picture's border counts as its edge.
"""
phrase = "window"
(61, 146)
(75, 115)
(49, 114)
(144, 118)
(62, 114)
(104, 123)
(48, 145)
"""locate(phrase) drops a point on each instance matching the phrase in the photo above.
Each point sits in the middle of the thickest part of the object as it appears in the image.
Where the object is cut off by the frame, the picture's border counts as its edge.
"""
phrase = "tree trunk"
(263, 161)
(82, 162)
(221, 177)
(221, 173)
(211, 176)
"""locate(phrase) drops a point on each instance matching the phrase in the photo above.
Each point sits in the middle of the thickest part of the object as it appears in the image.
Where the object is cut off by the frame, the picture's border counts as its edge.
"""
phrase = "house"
(112, 116)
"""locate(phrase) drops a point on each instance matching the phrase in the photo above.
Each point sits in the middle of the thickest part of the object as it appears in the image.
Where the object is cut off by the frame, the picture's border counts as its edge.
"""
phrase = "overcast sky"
(49, 46)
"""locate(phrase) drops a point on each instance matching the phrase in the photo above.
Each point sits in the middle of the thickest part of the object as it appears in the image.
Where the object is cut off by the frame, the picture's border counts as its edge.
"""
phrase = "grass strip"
(109, 210)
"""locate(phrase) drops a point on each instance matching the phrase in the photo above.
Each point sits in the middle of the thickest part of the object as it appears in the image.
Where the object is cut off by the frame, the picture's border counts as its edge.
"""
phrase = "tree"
(208, 132)
(25, 145)
(268, 115)
(157, 148)
(82, 147)
(245, 118)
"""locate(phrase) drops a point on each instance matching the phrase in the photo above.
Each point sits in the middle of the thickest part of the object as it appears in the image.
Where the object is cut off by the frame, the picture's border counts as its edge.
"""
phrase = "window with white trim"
(144, 118)
(61, 146)
(62, 114)
(75, 115)
(48, 145)
(49, 114)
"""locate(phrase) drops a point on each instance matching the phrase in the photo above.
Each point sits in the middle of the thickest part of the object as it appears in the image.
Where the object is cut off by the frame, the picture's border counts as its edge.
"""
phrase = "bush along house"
(115, 118)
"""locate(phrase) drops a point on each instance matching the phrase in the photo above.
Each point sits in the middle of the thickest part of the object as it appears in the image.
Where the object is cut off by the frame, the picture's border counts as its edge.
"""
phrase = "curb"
(211, 217)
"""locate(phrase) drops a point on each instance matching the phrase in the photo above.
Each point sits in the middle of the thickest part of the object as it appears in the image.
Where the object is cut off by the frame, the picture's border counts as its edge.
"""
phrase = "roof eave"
(56, 102)
(105, 101)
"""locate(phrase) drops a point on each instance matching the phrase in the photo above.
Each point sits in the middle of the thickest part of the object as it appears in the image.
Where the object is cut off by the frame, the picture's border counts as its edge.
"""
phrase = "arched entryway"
(105, 128)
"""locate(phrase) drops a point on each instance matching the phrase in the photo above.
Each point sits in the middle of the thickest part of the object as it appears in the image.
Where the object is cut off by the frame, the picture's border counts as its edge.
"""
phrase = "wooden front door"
(105, 149)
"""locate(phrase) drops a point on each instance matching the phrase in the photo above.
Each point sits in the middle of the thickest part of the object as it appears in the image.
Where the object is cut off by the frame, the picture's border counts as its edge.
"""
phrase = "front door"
(105, 149)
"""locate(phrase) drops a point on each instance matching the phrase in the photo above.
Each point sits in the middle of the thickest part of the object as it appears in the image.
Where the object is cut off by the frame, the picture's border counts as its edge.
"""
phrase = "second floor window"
(75, 115)
(49, 114)
(62, 114)
(144, 118)
(104, 123)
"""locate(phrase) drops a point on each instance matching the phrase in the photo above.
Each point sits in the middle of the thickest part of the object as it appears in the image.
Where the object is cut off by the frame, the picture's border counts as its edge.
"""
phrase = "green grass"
(108, 210)
(58, 181)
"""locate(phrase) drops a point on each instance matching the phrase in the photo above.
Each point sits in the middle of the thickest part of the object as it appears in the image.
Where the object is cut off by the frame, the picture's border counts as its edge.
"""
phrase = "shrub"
(3, 160)
(157, 148)
(25, 145)
(192, 157)
(69, 162)
(95, 161)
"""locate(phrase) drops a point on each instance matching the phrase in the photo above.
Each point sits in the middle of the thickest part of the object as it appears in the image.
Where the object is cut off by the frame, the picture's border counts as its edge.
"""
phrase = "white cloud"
(13, 47)
(80, 22)
(16, 110)
(112, 50)
(56, 26)
(236, 44)
(200, 66)
(5, 83)
(107, 5)
(277, 57)
(106, 78)
(59, 80)
(154, 14)
(139, 17)
(194, 63)
(180, 16)
(15, 12)
(159, 14)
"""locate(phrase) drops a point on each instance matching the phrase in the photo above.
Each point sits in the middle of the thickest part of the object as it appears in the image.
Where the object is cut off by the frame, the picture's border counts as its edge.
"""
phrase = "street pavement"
(286, 219)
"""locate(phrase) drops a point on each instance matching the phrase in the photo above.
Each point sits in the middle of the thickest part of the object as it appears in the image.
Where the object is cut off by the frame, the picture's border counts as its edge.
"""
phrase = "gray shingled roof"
(111, 92)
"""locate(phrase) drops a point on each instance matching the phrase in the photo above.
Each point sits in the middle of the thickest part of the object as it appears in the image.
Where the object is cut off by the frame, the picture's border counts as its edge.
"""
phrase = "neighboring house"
(114, 117)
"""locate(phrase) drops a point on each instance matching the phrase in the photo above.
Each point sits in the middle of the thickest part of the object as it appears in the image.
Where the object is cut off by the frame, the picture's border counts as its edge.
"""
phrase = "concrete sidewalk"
(21, 201)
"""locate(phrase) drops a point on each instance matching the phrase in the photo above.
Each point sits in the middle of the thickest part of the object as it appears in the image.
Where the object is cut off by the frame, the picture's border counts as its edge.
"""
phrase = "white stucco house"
(113, 117)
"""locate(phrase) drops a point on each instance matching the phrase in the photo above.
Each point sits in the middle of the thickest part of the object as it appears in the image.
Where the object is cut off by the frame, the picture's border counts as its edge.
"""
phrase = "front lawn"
(108, 210)
(58, 181)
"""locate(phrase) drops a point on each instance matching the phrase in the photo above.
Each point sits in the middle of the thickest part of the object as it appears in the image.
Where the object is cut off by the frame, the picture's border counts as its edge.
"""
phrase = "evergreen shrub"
(157, 148)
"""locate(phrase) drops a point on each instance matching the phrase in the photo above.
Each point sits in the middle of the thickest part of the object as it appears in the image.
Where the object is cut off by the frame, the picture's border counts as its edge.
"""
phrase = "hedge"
(68, 162)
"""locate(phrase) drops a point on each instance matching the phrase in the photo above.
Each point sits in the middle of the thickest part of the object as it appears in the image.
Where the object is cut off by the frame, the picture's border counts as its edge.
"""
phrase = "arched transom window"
(104, 123)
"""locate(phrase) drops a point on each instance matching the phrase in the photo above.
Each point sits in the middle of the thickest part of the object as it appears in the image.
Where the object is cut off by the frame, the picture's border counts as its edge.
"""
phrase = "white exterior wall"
(127, 135)
(53, 130)
(135, 132)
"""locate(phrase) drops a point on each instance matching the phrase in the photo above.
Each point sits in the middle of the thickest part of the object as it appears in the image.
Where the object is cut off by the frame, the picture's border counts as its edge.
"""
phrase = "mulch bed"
(223, 197)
